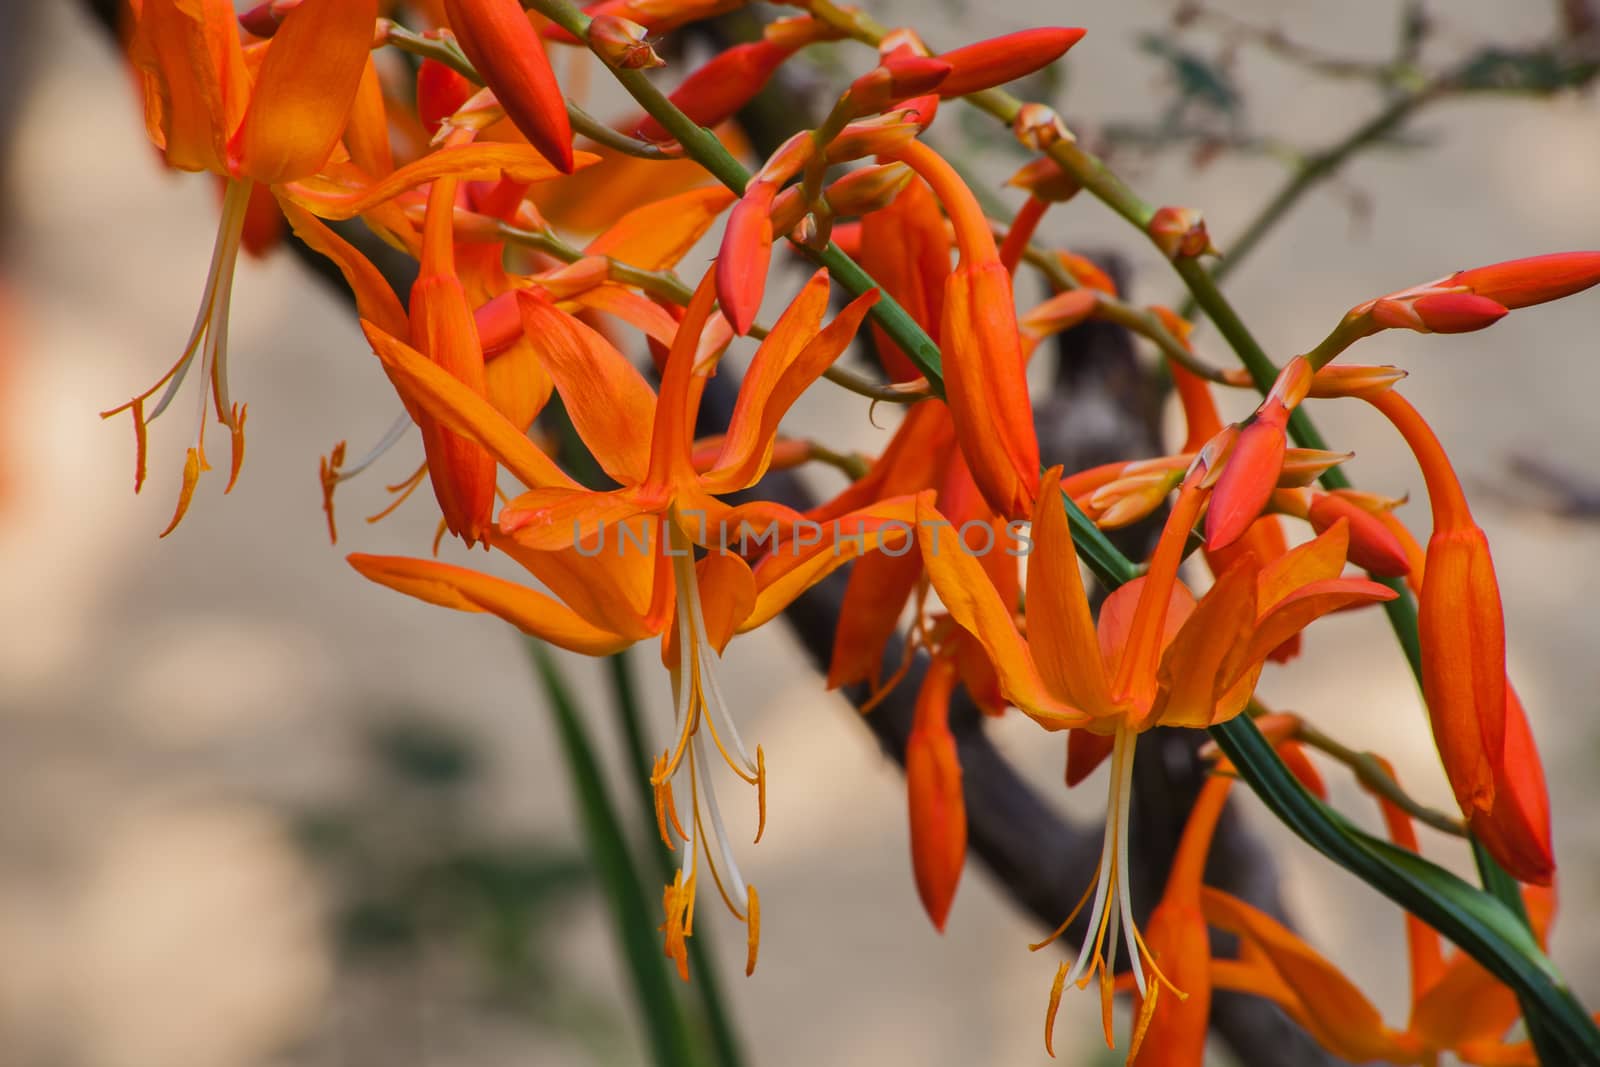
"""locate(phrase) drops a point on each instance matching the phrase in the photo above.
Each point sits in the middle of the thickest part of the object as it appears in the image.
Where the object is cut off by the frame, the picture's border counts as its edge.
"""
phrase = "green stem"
(670, 1043)
(630, 720)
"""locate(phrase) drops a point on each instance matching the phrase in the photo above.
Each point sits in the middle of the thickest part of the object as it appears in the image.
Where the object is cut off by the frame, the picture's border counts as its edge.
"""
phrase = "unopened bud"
(869, 189)
(1438, 312)
(1037, 127)
(1127, 500)
(1373, 546)
(1180, 233)
(622, 43)
(900, 75)
(1004, 59)
(879, 135)
(1535, 280)
(1044, 178)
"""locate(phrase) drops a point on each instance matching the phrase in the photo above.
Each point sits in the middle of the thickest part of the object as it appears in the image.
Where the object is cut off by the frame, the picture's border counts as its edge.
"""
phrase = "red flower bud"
(1373, 546)
(727, 83)
(933, 794)
(1535, 280)
(745, 254)
(1004, 59)
(1437, 312)
(505, 48)
(1516, 830)
(901, 75)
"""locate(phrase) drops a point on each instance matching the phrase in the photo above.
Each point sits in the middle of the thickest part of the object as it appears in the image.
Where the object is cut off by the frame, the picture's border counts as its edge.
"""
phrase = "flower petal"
(465, 590)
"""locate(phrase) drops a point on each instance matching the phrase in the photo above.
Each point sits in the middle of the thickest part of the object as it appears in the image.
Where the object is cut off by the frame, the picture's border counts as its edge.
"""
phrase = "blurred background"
(258, 811)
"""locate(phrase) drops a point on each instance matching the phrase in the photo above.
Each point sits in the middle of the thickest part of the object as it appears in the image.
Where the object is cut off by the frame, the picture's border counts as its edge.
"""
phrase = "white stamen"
(224, 253)
(1104, 879)
(734, 881)
(1124, 802)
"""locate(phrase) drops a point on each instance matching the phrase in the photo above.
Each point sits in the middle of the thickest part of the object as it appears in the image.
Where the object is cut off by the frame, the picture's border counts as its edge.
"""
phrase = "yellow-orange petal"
(1061, 629)
(608, 400)
(970, 598)
(303, 95)
(656, 235)
(465, 590)
(433, 390)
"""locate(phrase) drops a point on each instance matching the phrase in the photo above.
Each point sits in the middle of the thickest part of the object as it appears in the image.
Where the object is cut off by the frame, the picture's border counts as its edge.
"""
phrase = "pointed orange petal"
(779, 380)
(1191, 675)
(561, 518)
(933, 795)
(375, 299)
(1299, 610)
(609, 585)
(815, 551)
(1060, 628)
(344, 192)
(607, 398)
(640, 312)
(434, 390)
(1335, 1011)
(1316, 560)
(658, 234)
(464, 590)
(971, 600)
(367, 135)
(304, 92)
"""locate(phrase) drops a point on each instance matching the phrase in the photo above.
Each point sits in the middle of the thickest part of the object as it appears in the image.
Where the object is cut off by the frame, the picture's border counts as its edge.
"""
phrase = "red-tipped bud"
(622, 43)
(1516, 830)
(1003, 59)
(1180, 233)
(440, 93)
(1373, 546)
(1037, 127)
(1437, 312)
(933, 795)
(900, 76)
(505, 49)
(712, 94)
(1348, 380)
(1535, 280)
(1044, 178)
(1248, 478)
(745, 254)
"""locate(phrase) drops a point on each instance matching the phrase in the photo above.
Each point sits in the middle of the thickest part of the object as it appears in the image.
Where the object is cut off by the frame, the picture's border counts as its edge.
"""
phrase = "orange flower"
(1157, 658)
(695, 606)
(206, 111)
(1456, 1006)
